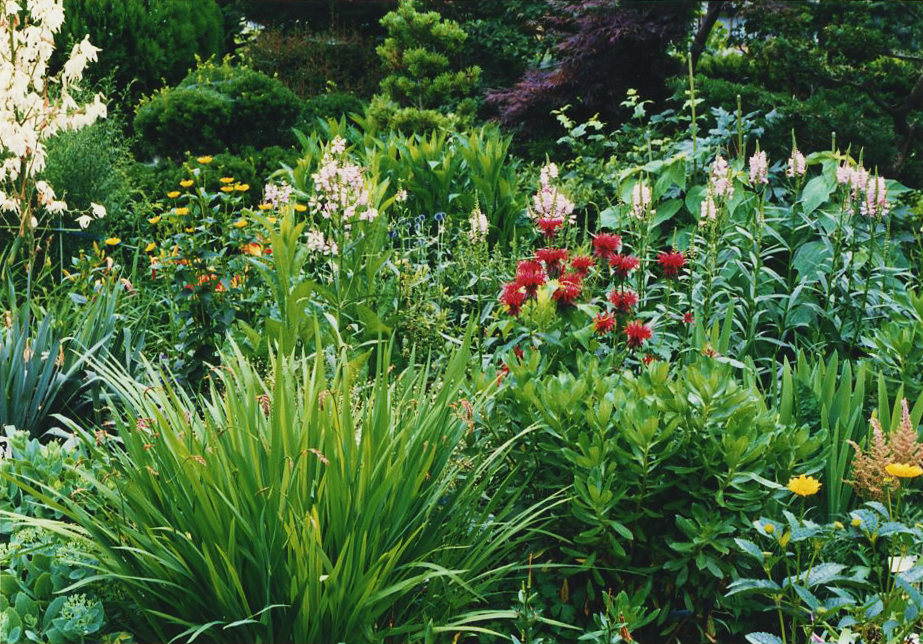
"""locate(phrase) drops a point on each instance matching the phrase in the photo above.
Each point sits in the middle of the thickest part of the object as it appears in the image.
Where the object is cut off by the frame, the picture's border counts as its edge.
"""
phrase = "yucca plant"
(306, 507)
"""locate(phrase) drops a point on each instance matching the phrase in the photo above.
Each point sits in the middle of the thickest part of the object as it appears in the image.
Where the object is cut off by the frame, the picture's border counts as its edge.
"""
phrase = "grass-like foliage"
(310, 506)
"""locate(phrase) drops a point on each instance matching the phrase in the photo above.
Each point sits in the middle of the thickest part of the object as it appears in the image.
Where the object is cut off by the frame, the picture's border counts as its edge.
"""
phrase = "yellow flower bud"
(856, 522)
(769, 528)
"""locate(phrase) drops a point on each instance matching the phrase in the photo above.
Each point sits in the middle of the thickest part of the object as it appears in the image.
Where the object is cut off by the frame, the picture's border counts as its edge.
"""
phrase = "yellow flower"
(186, 183)
(254, 249)
(226, 179)
(856, 522)
(837, 525)
(150, 247)
(241, 187)
(113, 241)
(204, 160)
(189, 230)
(265, 206)
(154, 220)
(300, 207)
(804, 485)
(769, 528)
(271, 220)
(173, 194)
(227, 188)
(181, 211)
(904, 470)
(240, 223)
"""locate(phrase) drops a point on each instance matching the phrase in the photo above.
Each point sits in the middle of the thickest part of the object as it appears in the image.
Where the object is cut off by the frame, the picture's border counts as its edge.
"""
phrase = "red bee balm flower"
(552, 258)
(606, 245)
(637, 333)
(624, 300)
(569, 289)
(623, 264)
(530, 275)
(603, 323)
(582, 264)
(689, 318)
(512, 297)
(549, 226)
(671, 263)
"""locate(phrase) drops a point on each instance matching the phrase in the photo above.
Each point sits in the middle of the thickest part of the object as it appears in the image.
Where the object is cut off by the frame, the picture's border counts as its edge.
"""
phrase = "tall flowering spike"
(30, 114)
(551, 209)
(905, 446)
(722, 183)
(875, 202)
(797, 165)
(708, 211)
(640, 200)
(478, 226)
(339, 187)
(759, 168)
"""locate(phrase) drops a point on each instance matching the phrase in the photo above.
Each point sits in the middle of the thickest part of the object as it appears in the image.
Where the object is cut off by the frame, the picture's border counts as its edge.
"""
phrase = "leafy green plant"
(217, 108)
(421, 91)
(349, 493)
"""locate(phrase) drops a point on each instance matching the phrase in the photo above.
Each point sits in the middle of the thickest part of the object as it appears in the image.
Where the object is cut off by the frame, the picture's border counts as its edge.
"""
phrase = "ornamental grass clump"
(309, 506)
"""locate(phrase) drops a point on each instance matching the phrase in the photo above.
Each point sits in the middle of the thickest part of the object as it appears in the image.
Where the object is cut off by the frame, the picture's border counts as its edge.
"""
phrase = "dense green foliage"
(217, 107)
(146, 42)
(336, 371)
(421, 91)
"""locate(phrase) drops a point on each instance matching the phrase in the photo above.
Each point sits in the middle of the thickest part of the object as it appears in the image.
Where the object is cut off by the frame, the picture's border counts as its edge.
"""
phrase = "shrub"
(421, 91)
(301, 508)
(309, 63)
(217, 107)
(146, 42)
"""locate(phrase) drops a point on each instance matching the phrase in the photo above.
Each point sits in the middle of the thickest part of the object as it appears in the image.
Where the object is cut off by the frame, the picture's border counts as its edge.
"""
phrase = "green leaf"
(815, 193)
(763, 638)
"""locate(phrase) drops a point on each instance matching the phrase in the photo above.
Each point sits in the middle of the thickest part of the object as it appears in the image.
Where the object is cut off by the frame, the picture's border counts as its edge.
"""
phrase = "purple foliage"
(604, 48)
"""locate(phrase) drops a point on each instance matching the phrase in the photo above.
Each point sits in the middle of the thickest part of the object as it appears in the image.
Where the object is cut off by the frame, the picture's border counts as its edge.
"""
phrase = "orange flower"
(254, 249)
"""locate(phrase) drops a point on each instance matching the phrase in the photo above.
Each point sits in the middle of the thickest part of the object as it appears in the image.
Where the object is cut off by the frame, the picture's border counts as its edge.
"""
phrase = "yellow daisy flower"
(204, 160)
(271, 220)
(240, 223)
(173, 194)
(226, 179)
(300, 207)
(804, 485)
(265, 206)
(154, 220)
(150, 247)
(227, 188)
(113, 241)
(190, 229)
(241, 187)
(186, 183)
(181, 211)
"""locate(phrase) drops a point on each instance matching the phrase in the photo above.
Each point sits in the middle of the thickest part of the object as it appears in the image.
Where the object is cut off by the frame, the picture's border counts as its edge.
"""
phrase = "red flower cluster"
(637, 333)
(606, 245)
(623, 300)
(570, 286)
(513, 298)
(671, 263)
(603, 323)
(623, 264)
(554, 260)
(549, 227)
(530, 275)
(581, 264)
(689, 318)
